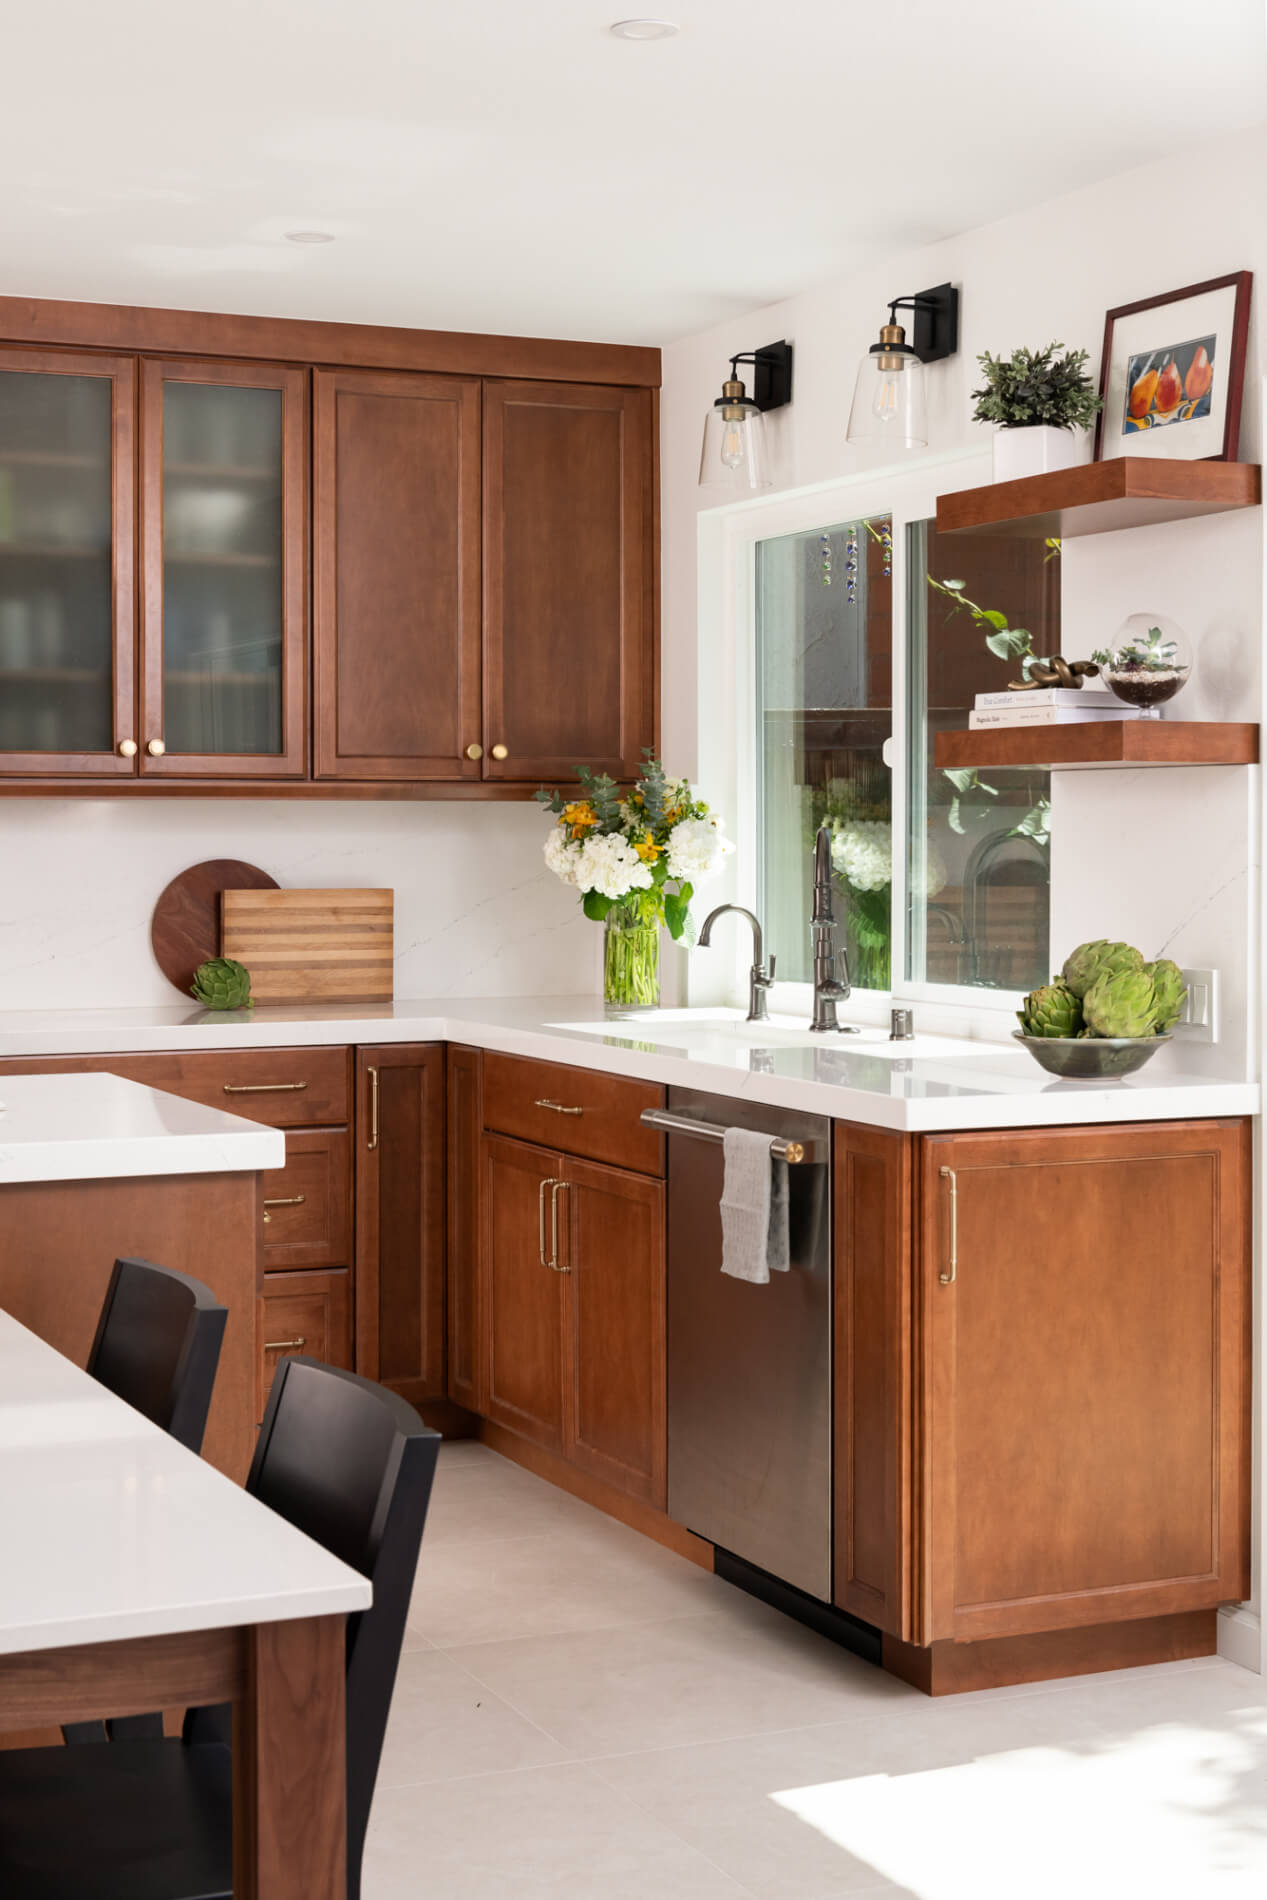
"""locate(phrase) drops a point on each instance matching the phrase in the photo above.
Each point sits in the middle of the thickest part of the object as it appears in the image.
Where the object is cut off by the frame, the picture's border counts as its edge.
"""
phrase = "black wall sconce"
(888, 398)
(734, 453)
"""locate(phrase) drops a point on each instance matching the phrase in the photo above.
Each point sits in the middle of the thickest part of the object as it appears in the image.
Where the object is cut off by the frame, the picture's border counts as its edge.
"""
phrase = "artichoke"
(1053, 1010)
(1170, 990)
(1100, 957)
(1121, 1003)
(220, 983)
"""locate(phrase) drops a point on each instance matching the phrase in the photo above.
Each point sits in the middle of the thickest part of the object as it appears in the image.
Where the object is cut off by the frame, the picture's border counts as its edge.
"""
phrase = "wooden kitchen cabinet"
(224, 564)
(400, 1217)
(522, 1295)
(465, 1332)
(569, 580)
(306, 1312)
(612, 1241)
(1086, 1375)
(397, 576)
(67, 609)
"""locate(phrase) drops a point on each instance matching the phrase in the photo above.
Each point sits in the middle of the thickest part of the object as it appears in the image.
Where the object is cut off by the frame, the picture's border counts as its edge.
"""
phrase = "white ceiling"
(508, 165)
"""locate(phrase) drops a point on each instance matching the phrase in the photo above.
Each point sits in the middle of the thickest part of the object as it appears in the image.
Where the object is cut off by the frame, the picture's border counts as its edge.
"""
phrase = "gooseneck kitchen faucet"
(829, 989)
(759, 977)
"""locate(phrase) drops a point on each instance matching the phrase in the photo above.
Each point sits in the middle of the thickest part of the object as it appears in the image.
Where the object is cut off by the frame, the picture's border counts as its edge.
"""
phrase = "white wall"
(1185, 877)
(477, 913)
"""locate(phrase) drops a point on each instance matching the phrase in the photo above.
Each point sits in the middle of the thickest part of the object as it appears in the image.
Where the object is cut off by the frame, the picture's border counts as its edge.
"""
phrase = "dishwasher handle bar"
(671, 1124)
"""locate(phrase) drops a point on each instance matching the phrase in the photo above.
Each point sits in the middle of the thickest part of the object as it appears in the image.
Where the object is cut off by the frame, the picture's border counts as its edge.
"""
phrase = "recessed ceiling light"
(309, 237)
(644, 29)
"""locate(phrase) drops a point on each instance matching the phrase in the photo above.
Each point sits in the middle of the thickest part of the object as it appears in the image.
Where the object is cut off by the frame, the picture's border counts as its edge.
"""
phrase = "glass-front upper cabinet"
(224, 556)
(67, 631)
(979, 842)
(825, 694)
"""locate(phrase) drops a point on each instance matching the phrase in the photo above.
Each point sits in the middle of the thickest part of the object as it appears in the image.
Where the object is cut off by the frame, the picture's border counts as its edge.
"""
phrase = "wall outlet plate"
(1200, 1019)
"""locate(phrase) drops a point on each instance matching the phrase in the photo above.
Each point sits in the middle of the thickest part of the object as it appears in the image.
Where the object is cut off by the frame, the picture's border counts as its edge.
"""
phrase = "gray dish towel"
(754, 1226)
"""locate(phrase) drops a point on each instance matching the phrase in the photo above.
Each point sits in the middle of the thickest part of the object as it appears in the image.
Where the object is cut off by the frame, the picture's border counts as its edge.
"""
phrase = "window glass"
(824, 710)
(979, 846)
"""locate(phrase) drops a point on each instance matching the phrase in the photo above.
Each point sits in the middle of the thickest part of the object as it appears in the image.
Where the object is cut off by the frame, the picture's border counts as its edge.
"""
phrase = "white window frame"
(728, 538)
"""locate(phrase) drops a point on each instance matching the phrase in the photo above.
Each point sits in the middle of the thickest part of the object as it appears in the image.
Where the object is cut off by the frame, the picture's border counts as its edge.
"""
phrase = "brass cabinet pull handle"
(128, 748)
(541, 1222)
(501, 752)
(373, 1076)
(283, 1200)
(475, 752)
(156, 748)
(558, 1107)
(263, 1088)
(555, 1188)
(284, 1345)
(948, 1174)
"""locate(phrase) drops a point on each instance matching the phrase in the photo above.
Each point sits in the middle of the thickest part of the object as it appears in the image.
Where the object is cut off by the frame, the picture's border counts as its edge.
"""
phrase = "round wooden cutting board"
(185, 927)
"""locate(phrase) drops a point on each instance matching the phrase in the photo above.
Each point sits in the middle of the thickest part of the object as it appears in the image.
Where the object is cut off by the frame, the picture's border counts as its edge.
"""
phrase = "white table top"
(109, 1529)
(952, 1085)
(94, 1127)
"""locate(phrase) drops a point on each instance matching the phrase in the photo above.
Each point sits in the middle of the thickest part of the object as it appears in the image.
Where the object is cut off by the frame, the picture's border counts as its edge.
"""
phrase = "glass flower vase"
(631, 960)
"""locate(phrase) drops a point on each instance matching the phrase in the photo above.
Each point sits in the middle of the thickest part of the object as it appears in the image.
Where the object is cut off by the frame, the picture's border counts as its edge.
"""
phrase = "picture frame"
(1172, 373)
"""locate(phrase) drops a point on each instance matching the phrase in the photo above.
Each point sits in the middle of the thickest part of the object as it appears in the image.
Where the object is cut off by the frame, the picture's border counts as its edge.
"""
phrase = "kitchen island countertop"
(942, 1084)
(101, 1127)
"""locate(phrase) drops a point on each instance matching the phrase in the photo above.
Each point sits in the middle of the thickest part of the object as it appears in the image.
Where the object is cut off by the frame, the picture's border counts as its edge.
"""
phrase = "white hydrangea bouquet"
(862, 855)
(636, 858)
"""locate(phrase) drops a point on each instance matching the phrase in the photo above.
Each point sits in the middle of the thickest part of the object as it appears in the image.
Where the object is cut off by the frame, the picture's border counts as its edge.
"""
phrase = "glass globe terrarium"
(1148, 663)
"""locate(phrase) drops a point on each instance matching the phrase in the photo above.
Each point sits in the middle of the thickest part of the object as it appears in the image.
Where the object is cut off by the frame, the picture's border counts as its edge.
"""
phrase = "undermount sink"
(700, 1028)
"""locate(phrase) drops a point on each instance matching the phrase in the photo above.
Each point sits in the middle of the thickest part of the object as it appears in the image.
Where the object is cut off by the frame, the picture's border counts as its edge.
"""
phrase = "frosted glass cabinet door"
(223, 549)
(67, 624)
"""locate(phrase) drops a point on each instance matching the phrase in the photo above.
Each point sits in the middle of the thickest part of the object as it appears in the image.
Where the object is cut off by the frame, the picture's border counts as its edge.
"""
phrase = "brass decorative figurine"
(1055, 672)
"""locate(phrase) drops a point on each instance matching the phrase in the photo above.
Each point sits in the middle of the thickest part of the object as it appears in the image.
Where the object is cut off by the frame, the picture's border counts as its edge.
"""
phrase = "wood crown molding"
(137, 329)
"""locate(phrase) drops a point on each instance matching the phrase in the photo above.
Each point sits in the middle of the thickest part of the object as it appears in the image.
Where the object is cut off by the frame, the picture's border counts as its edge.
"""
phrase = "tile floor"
(580, 1713)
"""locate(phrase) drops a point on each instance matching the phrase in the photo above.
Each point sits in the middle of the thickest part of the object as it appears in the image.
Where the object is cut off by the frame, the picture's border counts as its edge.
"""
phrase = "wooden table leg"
(290, 1773)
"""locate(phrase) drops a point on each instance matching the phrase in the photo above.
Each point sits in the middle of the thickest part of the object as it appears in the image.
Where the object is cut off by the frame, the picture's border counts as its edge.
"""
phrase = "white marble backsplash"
(477, 913)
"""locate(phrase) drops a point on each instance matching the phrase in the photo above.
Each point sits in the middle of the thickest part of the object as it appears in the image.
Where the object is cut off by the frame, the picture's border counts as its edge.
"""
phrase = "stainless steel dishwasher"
(749, 1367)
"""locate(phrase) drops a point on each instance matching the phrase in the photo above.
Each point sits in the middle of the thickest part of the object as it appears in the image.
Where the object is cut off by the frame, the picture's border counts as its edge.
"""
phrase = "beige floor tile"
(756, 1806)
(690, 1679)
(444, 1723)
(541, 1834)
(584, 1574)
(487, 1502)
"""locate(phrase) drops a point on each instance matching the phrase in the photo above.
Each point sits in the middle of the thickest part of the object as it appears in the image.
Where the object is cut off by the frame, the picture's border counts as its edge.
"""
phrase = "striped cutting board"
(311, 946)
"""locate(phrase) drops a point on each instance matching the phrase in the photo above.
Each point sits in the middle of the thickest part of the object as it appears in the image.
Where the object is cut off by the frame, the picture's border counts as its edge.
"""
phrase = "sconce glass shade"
(888, 397)
(734, 452)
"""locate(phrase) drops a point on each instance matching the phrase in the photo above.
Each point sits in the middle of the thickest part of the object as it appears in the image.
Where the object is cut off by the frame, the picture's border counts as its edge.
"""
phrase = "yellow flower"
(648, 850)
(579, 817)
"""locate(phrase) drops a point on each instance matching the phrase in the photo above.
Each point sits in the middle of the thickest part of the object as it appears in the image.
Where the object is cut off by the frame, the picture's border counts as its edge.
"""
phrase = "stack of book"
(1053, 706)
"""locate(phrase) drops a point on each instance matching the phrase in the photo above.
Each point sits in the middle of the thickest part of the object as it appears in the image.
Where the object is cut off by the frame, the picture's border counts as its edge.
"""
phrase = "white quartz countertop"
(112, 1530)
(939, 1083)
(98, 1127)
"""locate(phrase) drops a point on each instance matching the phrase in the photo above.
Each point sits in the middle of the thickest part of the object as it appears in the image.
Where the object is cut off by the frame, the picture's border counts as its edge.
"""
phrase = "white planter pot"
(1034, 451)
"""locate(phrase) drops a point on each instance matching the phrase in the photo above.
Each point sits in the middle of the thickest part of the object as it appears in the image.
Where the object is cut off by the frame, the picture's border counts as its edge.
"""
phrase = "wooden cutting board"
(311, 946)
(185, 927)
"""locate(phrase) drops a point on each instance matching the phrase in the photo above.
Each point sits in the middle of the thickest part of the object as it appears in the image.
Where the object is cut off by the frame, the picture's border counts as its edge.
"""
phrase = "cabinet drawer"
(306, 1207)
(308, 1313)
(287, 1088)
(579, 1111)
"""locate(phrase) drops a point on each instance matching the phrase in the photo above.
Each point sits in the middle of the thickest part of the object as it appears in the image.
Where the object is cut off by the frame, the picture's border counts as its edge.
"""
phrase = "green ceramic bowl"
(1085, 1058)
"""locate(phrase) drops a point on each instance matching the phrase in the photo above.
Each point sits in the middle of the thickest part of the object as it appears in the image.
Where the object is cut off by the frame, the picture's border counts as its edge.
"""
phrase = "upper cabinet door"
(67, 621)
(397, 576)
(569, 610)
(224, 558)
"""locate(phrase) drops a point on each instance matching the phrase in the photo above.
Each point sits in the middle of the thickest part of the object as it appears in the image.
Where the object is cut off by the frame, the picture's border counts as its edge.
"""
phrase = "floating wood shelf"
(1132, 492)
(1101, 742)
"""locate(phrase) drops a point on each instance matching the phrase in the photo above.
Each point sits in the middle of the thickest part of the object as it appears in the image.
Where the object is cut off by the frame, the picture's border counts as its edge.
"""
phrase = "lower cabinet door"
(400, 1266)
(522, 1295)
(612, 1247)
(308, 1313)
(1085, 1311)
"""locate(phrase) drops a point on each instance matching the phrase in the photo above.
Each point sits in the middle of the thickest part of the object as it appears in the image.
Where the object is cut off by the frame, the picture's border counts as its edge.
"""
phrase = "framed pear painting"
(1173, 372)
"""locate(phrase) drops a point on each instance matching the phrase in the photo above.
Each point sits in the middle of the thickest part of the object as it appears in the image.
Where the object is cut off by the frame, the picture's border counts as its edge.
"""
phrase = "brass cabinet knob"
(475, 752)
(156, 748)
(501, 752)
(128, 748)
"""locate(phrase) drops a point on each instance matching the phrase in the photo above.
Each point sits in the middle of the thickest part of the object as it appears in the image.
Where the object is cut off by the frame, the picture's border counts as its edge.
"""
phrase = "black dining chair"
(157, 1347)
(350, 1464)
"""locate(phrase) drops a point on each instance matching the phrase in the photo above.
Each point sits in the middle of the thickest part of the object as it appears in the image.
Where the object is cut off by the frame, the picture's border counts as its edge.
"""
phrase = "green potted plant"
(1038, 401)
